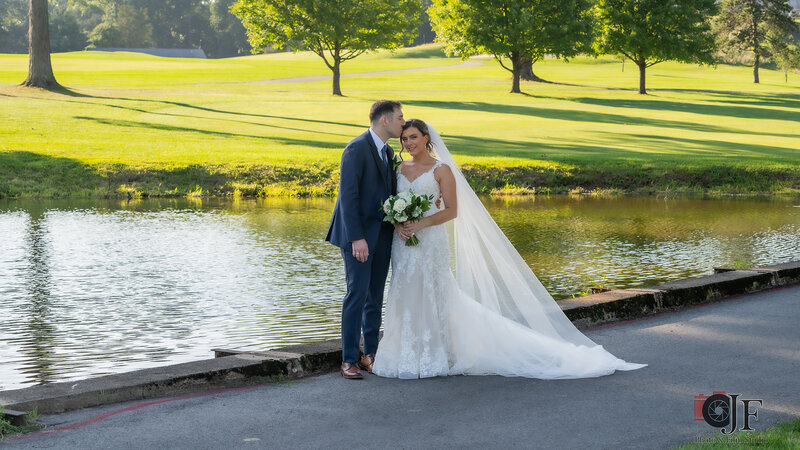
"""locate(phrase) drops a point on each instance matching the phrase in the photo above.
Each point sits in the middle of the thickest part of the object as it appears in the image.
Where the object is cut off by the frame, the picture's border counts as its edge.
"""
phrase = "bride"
(493, 316)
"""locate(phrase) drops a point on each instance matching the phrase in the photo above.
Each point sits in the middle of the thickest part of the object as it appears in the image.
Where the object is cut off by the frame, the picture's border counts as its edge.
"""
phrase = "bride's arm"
(447, 184)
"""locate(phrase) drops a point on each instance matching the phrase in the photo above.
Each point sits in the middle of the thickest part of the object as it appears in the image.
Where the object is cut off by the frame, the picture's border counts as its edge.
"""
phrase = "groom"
(357, 228)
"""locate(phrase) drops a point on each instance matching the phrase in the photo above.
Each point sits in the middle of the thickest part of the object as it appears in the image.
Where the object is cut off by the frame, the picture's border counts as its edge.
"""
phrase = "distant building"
(164, 52)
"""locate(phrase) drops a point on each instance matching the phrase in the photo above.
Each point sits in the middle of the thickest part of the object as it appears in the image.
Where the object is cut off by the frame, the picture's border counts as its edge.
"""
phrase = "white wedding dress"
(491, 320)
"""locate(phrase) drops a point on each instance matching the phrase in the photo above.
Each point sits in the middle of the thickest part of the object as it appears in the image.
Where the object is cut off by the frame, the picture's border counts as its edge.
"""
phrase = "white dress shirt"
(379, 144)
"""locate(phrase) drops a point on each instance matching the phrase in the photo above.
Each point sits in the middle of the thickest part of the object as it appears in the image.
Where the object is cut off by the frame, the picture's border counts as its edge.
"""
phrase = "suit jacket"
(365, 183)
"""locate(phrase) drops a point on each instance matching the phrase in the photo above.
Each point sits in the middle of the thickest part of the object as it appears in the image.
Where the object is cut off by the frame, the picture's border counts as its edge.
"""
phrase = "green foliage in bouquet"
(406, 206)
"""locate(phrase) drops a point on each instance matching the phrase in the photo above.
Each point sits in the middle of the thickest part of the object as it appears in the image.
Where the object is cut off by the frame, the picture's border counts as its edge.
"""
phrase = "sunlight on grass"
(152, 118)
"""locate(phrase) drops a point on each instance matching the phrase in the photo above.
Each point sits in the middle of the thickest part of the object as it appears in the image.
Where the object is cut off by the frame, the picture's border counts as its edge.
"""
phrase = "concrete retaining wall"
(624, 304)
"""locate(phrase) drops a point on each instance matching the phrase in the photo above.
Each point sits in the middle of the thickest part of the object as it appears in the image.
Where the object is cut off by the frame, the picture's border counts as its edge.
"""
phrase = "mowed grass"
(782, 436)
(140, 125)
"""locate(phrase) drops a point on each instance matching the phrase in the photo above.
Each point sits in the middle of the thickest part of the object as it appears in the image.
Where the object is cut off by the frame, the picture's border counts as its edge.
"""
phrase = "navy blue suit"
(365, 183)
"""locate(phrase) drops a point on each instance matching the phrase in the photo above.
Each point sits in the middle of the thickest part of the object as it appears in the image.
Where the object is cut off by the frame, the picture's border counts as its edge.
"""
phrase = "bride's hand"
(409, 228)
(401, 232)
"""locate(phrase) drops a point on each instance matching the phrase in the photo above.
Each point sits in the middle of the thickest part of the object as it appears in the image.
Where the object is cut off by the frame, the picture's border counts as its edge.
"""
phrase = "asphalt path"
(748, 345)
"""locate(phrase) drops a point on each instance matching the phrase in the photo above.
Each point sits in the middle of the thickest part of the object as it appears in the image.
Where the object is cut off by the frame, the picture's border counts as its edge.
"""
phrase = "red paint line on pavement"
(123, 410)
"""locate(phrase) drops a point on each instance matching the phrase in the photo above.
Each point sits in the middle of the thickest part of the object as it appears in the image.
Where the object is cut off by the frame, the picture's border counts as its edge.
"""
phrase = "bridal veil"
(490, 270)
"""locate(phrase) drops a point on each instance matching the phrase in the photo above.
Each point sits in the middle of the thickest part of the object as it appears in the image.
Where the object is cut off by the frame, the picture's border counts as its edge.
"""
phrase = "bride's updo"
(423, 128)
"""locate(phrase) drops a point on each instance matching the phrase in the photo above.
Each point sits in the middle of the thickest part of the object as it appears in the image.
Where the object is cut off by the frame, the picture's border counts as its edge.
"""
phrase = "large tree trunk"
(337, 63)
(755, 68)
(527, 71)
(337, 90)
(516, 70)
(642, 69)
(40, 71)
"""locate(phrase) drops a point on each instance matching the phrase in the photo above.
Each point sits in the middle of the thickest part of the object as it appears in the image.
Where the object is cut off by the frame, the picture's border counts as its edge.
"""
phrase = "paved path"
(747, 345)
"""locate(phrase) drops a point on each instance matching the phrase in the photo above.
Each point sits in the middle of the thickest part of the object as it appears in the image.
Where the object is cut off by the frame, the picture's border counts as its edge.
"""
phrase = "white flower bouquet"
(396, 161)
(406, 206)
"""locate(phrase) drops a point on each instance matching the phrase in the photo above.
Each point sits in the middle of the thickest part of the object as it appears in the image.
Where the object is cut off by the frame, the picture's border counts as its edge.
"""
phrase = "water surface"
(96, 287)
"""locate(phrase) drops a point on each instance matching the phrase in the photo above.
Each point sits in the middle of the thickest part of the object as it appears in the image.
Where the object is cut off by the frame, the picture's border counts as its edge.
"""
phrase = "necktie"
(385, 154)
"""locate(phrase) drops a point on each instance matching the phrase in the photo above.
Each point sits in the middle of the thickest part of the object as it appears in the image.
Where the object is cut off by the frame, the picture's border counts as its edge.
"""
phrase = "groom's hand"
(360, 250)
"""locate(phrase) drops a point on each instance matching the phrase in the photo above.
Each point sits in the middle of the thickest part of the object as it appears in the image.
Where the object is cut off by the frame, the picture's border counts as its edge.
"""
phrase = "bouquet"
(406, 206)
(396, 161)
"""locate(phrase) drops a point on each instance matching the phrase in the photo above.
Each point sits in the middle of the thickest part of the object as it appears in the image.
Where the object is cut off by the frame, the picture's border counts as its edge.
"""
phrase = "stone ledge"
(622, 304)
(617, 304)
(147, 383)
(232, 368)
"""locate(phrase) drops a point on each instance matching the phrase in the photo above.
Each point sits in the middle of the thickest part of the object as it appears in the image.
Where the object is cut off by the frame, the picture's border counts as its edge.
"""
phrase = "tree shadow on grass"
(222, 111)
(781, 100)
(71, 93)
(24, 173)
(472, 146)
(224, 134)
(59, 89)
(189, 116)
(28, 174)
(721, 110)
(569, 115)
(621, 148)
(735, 151)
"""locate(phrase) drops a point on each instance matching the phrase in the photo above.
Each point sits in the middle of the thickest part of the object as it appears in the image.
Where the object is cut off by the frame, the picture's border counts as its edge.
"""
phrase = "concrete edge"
(232, 368)
(626, 304)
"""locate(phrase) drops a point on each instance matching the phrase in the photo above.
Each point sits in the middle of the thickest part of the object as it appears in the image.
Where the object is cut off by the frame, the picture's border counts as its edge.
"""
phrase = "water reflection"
(97, 287)
(575, 243)
(36, 343)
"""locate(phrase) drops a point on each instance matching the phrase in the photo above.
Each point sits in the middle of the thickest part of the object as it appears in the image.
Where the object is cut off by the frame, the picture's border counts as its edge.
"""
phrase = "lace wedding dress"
(494, 318)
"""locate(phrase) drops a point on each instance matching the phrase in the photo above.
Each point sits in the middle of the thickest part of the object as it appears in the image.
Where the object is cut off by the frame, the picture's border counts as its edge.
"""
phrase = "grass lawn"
(783, 436)
(134, 124)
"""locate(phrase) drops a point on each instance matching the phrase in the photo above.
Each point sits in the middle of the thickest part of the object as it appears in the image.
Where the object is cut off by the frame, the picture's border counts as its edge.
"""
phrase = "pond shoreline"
(27, 177)
(231, 368)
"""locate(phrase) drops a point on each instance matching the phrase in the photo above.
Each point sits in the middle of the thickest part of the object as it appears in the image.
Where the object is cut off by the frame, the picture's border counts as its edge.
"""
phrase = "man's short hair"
(382, 108)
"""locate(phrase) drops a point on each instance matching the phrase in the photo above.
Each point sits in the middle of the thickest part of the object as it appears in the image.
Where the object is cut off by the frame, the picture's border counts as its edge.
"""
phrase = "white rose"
(387, 207)
(417, 212)
(400, 204)
(400, 218)
(405, 196)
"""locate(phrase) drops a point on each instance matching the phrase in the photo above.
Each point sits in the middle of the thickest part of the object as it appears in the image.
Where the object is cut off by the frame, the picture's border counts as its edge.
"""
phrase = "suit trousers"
(363, 303)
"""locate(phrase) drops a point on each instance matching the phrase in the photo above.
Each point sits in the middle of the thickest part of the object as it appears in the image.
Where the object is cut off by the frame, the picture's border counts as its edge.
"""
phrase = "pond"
(92, 287)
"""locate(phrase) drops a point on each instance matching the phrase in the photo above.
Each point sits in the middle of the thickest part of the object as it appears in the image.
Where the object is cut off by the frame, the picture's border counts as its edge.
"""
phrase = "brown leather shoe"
(350, 371)
(366, 362)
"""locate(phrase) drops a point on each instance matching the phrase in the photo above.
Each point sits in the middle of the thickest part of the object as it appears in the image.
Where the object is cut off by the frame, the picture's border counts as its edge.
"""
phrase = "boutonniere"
(397, 160)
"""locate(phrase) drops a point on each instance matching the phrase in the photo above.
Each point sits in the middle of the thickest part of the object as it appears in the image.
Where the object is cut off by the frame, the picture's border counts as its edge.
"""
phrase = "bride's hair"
(423, 128)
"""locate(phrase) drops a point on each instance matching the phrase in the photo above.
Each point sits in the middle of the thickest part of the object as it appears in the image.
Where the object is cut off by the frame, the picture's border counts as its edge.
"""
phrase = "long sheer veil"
(490, 270)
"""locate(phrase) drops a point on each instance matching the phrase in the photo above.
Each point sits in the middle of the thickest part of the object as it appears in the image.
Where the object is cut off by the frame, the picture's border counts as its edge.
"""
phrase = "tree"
(527, 71)
(178, 23)
(13, 26)
(123, 26)
(336, 31)
(744, 25)
(146, 23)
(230, 37)
(518, 31)
(786, 51)
(652, 31)
(425, 34)
(65, 32)
(40, 71)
